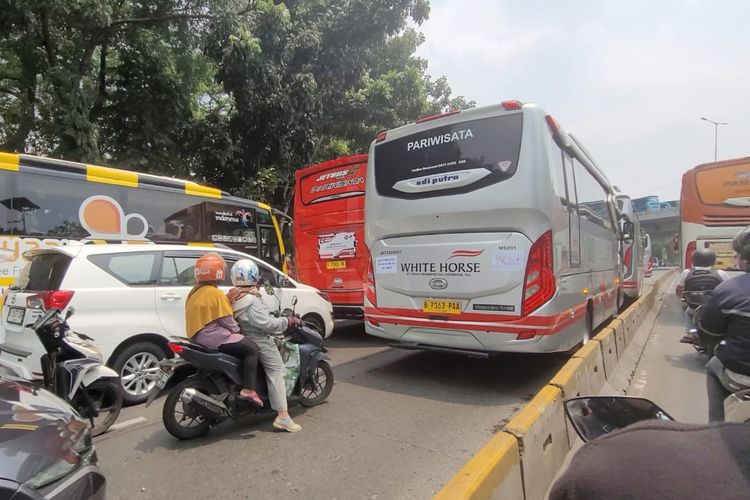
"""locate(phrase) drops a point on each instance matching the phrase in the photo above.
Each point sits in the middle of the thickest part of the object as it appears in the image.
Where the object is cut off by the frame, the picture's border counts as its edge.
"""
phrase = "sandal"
(253, 397)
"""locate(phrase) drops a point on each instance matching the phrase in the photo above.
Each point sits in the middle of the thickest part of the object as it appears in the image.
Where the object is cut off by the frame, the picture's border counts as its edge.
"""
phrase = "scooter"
(210, 394)
(74, 370)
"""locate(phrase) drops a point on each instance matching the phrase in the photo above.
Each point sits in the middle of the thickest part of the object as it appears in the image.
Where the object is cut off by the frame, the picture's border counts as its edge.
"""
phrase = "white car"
(129, 299)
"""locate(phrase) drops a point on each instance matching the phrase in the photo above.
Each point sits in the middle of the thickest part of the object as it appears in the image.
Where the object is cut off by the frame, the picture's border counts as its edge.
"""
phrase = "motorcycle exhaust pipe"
(203, 404)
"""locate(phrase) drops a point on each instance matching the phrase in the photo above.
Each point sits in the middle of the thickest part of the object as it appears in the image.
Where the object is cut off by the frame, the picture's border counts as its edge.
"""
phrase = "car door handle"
(171, 297)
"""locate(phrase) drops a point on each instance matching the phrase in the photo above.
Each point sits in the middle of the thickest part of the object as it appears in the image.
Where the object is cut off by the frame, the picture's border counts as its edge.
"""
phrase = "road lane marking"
(128, 423)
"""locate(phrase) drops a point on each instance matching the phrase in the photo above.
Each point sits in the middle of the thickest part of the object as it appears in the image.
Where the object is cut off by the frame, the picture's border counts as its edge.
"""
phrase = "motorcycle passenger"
(256, 321)
(693, 284)
(209, 321)
(727, 313)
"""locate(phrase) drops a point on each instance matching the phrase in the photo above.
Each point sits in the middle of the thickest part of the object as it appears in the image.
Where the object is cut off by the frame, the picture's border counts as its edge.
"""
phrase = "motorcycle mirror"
(269, 290)
(71, 311)
(594, 416)
(294, 300)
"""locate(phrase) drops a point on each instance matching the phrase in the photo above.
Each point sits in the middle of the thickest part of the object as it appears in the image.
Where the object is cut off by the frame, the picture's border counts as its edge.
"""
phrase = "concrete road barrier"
(607, 341)
(494, 472)
(522, 461)
(543, 439)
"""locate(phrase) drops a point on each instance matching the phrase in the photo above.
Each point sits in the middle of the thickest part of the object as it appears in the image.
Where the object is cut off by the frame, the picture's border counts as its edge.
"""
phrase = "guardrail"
(522, 461)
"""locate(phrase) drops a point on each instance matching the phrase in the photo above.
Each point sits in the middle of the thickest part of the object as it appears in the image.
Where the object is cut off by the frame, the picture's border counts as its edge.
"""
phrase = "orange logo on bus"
(104, 218)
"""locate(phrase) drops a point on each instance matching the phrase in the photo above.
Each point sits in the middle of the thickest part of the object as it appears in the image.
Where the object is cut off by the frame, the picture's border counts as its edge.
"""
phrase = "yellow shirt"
(205, 303)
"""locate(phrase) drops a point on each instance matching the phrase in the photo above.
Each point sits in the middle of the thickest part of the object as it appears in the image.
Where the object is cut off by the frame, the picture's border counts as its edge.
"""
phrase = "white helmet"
(245, 272)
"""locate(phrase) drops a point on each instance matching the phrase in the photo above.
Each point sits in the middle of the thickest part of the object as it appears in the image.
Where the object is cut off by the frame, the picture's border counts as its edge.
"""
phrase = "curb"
(522, 461)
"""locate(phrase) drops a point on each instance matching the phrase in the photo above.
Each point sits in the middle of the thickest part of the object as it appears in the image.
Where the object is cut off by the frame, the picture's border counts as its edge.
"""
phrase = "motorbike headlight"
(79, 453)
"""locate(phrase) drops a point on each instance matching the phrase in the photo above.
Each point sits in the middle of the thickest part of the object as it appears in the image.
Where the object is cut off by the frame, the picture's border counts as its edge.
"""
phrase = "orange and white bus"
(714, 207)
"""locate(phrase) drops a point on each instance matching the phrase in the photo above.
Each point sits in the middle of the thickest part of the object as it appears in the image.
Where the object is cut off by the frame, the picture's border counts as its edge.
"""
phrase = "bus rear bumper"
(469, 342)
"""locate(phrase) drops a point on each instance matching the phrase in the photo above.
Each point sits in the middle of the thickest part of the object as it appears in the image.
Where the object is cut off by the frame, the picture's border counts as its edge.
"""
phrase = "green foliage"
(235, 93)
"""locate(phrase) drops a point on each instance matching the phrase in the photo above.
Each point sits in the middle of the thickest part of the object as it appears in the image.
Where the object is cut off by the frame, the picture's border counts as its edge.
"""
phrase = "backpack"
(697, 285)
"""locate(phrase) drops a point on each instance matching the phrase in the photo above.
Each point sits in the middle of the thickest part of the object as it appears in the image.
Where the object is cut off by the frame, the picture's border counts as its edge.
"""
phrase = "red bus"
(329, 218)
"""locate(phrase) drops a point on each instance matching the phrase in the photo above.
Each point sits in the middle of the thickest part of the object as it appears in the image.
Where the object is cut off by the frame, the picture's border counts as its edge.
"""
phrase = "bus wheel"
(589, 333)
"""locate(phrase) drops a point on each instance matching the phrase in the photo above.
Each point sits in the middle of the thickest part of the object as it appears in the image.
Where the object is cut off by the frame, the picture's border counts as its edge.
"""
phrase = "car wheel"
(315, 323)
(138, 367)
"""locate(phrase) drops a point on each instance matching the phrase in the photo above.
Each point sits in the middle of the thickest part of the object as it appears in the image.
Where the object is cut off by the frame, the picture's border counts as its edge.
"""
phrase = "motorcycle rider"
(257, 323)
(209, 321)
(727, 313)
(701, 277)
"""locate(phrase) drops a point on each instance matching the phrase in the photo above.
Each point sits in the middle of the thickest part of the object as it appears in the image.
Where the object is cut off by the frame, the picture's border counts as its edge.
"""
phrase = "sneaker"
(286, 424)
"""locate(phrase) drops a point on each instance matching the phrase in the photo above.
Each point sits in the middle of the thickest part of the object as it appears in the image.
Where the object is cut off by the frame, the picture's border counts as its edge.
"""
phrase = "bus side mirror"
(628, 228)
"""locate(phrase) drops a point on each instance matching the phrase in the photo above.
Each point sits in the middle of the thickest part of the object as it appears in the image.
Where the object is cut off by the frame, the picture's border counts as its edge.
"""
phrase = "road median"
(522, 460)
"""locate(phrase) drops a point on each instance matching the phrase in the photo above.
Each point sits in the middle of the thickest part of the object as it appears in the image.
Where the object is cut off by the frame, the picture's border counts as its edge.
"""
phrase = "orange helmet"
(210, 267)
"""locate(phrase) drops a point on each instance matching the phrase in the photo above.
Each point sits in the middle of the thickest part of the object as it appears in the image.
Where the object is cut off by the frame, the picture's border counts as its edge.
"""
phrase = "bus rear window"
(717, 186)
(449, 160)
(337, 182)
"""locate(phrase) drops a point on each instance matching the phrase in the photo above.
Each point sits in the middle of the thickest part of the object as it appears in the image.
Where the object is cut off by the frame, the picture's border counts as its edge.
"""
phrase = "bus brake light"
(381, 136)
(539, 281)
(691, 247)
(439, 115)
(511, 105)
(627, 260)
(552, 123)
(369, 284)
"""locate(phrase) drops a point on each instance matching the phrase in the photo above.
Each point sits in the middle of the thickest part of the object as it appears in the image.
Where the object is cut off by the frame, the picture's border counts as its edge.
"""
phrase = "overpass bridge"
(662, 225)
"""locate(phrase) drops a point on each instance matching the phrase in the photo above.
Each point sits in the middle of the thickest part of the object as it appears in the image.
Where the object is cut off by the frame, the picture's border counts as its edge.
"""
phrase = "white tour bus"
(490, 230)
(632, 251)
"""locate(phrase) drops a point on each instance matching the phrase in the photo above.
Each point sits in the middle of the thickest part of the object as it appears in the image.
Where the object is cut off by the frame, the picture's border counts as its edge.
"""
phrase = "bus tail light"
(691, 247)
(511, 105)
(53, 299)
(381, 136)
(627, 260)
(539, 281)
(369, 284)
(552, 123)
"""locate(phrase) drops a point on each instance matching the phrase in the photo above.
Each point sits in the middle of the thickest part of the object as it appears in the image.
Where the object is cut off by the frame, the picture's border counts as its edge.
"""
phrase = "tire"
(322, 387)
(107, 397)
(315, 323)
(589, 333)
(173, 405)
(137, 366)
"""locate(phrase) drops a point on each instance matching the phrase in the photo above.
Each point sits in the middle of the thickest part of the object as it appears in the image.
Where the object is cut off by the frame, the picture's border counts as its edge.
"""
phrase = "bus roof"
(116, 176)
(722, 163)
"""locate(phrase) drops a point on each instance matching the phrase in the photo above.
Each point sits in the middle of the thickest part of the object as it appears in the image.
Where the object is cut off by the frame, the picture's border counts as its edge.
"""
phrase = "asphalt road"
(398, 424)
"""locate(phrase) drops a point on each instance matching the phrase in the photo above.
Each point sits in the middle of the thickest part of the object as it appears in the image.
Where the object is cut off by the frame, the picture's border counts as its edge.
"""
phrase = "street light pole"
(716, 134)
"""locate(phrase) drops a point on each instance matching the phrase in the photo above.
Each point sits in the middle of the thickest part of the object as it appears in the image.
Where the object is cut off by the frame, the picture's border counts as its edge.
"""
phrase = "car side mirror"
(284, 281)
(269, 289)
(594, 416)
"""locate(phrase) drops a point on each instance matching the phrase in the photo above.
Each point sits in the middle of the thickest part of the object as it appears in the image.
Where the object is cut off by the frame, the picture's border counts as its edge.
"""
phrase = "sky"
(631, 79)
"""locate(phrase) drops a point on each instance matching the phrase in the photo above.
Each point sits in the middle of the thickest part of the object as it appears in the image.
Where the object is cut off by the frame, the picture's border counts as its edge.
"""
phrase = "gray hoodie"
(255, 319)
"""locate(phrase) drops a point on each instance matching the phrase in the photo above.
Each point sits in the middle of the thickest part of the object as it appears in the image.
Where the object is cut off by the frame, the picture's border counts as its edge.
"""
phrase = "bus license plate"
(336, 264)
(15, 315)
(442, 306)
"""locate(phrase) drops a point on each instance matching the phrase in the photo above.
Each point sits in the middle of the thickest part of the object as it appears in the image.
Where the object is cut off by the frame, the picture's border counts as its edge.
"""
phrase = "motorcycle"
(73, 368)
(210, 394)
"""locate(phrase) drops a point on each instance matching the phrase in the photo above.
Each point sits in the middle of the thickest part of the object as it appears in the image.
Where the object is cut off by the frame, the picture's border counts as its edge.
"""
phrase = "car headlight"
(79, 453)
